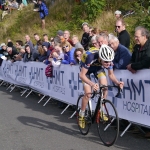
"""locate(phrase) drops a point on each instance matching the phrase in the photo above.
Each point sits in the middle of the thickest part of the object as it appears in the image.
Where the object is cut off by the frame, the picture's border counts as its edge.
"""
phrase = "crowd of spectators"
(68, 50)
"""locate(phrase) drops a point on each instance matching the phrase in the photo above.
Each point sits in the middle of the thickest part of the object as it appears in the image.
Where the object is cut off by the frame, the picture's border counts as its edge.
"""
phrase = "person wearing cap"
(85, 37)
(118, 14)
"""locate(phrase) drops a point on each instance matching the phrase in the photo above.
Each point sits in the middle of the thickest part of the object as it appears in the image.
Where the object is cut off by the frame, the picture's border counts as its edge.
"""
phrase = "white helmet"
(106, 53)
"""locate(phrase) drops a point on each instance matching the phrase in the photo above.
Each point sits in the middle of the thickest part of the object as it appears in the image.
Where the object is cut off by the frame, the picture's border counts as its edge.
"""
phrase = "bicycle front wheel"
(85, 130)
(108, 123)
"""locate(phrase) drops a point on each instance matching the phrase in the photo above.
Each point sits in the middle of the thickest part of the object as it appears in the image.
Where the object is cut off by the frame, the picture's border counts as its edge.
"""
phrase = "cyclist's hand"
(95, 87)
(121, 84)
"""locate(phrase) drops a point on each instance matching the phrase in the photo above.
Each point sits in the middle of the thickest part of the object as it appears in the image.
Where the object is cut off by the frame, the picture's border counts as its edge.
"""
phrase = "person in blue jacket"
(68, 53)
(122, 54)
(43, 10)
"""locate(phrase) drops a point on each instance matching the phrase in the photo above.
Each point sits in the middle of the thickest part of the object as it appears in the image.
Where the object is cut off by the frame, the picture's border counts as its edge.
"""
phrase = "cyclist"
(96, 63)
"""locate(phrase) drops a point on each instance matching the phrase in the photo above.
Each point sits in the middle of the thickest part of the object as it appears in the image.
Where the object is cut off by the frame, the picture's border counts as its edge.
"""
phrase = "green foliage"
(87, 11)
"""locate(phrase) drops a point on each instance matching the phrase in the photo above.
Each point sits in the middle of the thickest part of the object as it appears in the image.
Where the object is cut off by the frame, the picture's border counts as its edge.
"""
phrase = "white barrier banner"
(133, 104)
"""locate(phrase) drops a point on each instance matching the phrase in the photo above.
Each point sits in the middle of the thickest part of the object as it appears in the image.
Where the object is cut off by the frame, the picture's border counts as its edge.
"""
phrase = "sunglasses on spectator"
(107, 62)
(65, 46)
(117, 26)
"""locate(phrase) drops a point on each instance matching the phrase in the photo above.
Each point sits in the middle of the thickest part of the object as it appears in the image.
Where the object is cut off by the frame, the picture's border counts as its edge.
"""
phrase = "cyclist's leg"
(101, 75)
(87, 89)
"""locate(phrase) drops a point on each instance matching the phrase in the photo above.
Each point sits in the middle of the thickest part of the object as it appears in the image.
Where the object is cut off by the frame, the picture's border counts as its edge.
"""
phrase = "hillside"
(19, 23)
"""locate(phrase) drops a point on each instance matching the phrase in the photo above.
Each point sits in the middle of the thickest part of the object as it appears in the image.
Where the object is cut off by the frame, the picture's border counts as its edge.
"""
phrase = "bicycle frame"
(99, 102)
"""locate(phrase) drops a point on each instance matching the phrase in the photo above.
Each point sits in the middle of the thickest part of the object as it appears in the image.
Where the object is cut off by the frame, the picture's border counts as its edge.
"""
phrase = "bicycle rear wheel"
(108, 123)
(84, 131)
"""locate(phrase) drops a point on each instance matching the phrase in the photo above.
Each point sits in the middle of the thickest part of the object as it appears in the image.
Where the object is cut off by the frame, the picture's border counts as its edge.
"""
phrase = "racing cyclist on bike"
(96, 63)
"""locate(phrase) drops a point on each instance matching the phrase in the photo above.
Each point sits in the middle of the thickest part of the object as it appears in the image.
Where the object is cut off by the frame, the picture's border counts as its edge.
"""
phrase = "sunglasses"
(107, 62)
(65, 46)
(117, 26)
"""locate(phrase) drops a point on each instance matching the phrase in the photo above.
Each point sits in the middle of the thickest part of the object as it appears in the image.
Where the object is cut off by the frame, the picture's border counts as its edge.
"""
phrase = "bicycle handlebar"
(106, 86)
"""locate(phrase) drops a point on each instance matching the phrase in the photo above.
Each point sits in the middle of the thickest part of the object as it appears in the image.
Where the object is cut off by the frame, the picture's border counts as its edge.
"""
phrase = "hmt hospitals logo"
(72, 84)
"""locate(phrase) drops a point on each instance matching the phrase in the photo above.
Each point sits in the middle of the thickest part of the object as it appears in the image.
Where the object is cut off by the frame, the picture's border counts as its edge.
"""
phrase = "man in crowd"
(85, 36)
(122, 54)
(76, 42)
(67, 37)
(123, 35)
(12, 53)
(141, 53)
(28, 41)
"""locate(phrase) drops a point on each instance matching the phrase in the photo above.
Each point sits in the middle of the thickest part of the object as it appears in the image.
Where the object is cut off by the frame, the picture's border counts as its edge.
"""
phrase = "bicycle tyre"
(84, 131)
(108, 129)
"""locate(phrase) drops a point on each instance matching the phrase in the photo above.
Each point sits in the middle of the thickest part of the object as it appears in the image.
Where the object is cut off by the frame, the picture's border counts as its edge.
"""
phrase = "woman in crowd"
(78, 55)
(42, 54)
(68, 53)
(59, 50)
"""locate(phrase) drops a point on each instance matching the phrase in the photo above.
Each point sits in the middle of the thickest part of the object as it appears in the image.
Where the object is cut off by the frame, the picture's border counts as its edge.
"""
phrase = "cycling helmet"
(106, 53)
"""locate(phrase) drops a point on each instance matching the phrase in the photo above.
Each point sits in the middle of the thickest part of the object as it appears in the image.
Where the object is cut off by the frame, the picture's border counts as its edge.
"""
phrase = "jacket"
(122, 57)
(141, 56)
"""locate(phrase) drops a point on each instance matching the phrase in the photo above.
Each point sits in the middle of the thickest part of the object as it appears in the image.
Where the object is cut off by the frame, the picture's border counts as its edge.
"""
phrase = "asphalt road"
(27, 125)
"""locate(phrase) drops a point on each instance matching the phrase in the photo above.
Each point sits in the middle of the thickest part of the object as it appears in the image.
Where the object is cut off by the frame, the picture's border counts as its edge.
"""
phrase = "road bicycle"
(105, 116)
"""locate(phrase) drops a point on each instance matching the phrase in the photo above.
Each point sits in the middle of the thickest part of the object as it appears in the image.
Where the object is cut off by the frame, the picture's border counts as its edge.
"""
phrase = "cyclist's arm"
(113, 77)
(84, 78)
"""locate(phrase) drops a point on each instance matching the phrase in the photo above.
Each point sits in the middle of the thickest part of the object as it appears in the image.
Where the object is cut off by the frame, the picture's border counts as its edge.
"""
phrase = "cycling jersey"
(90, 60)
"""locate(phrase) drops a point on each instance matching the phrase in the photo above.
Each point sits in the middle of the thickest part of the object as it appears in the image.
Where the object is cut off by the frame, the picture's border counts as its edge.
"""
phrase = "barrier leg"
(2, 83)
(140, 129)
(13, 88)
(65, 109)
(47, 101)
(29, 93)
(41, 99)
(126, 129)
(73, 114)
(24, 92)
(9, 86)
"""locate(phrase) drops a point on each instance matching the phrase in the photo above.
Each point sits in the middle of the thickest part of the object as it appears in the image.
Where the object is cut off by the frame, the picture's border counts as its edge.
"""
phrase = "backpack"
(49, 70)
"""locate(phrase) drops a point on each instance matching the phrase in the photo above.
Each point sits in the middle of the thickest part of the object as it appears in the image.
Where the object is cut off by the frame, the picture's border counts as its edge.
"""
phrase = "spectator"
(102, 38)
(122, 54)
(123, 35)
(141, 52)
(28, 41)
(10, 44)
(20, 56)
(23, 3)
(76, 42)
(67, 37)
(46, 61)
(3, 50)
(94, 42)
(68, 53)
(78, 54)
(85, 36)
(28, 54)
(95, 31)
(43, 10)
(60, 37)
(42, 54)
(59, 50)
(19, 44)
(38, 41)
(45, 39)
(118, 14)
(56, 61)
(12, 53)
(141, 55)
